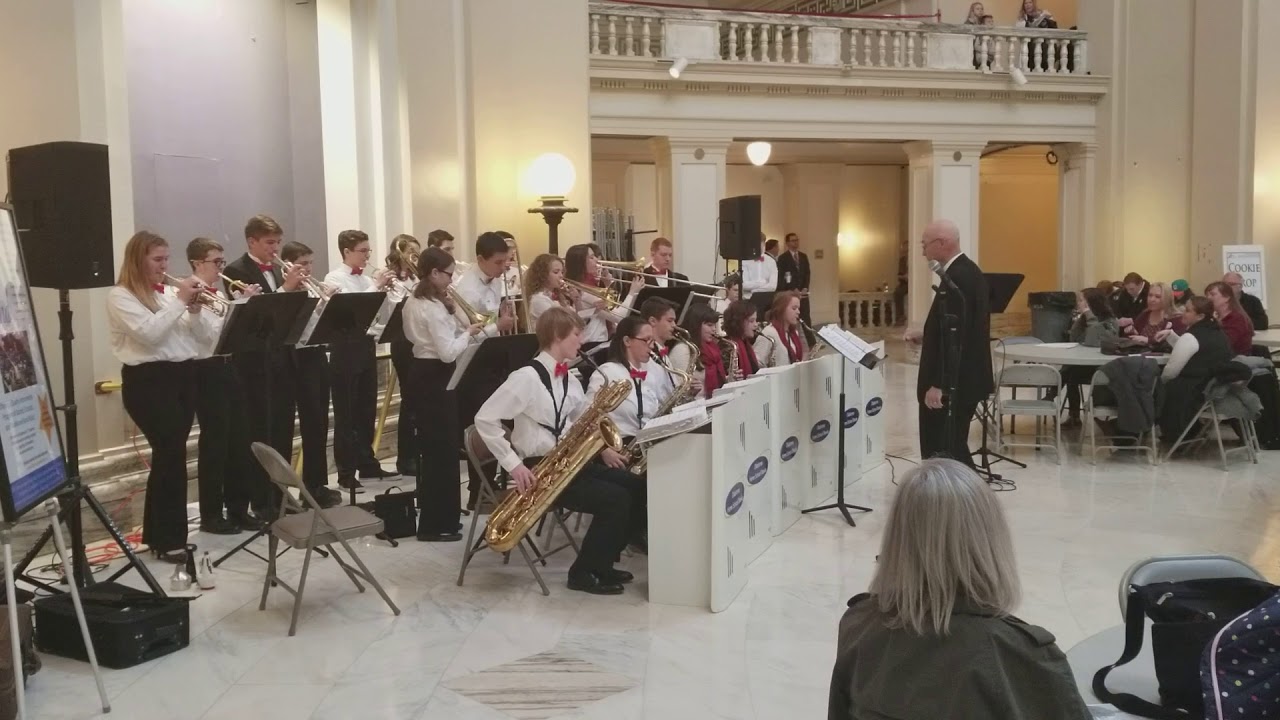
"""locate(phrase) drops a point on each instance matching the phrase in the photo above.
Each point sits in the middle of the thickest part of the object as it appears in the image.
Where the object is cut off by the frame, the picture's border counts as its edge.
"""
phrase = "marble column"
(943, 184)
(691, 183)
(1077, 214)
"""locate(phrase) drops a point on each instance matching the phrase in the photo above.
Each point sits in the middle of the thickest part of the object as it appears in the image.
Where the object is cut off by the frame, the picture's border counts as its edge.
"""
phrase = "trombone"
(637, 268)
(317, 287)
(608, 295)
(212, 300)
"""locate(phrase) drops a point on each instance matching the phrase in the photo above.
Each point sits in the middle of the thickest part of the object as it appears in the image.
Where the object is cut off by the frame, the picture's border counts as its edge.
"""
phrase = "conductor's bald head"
(940, 240)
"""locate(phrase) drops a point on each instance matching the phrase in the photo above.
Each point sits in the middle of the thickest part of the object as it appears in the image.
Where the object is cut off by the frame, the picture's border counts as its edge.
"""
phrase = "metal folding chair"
(304, 525)
(1095, 412)
(1215, 414)
(1039, 377)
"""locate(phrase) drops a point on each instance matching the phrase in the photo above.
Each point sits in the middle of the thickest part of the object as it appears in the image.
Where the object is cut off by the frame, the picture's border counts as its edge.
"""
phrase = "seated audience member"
(936, 637)
(1094, 323)
(1251, 304)
(1235, 323)
(1181, 294)
(1158, 316)
(1131, 298)
(976, 12)
(1198, 354)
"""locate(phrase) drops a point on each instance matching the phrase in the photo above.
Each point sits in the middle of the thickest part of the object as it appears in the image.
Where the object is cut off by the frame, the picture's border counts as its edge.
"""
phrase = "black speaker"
(61, 193)
(740, 227)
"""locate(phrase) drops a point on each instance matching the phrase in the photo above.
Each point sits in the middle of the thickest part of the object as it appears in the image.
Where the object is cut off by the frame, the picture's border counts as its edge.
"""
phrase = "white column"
(338, 117)
(943, 185)
(1077, 214)
(691, 181)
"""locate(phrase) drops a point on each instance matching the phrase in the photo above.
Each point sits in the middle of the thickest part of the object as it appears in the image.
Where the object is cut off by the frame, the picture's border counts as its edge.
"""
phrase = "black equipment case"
(128, 627)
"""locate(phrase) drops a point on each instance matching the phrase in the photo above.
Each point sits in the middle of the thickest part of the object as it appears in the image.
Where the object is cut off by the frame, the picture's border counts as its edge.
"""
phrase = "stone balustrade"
(868, 310)
(620, 30)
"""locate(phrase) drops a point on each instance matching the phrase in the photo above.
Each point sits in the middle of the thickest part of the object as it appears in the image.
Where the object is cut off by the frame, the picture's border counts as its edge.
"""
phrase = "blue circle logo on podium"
(789, 448)
(733, 501)
(850, 417)
(874, 406)
(759, 468)
(820, 431)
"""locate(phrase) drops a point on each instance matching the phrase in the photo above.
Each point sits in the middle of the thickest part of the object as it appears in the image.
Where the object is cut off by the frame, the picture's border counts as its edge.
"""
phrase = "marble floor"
(497, 649)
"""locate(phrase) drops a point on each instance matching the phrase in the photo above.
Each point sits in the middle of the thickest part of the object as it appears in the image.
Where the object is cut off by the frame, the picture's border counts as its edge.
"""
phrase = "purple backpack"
(1240, 669)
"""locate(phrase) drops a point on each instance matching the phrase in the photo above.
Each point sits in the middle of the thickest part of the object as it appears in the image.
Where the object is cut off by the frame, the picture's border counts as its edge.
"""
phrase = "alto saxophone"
(773, 345)
(680, 395)
(729, 350)
(516, 515)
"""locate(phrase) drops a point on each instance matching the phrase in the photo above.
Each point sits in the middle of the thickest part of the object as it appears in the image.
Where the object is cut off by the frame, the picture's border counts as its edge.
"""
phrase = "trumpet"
(317, 287)
(234, 284)
(216, 304)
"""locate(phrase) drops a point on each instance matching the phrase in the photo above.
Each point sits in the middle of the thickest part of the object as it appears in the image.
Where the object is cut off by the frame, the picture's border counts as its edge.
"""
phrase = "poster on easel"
(32, 467)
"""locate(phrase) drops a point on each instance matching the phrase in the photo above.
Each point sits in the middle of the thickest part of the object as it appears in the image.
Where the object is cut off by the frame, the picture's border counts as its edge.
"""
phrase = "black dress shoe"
(593, 584)
(377, 473)
(327, 497)
(621, 577)
(219, 526)
(406, 471)
(246, 521)
(349, 482)
(439, 537)
(177, 557)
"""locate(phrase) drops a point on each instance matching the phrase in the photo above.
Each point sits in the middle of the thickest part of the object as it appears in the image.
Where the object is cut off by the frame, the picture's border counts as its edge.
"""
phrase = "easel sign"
(33, 467)
(1251, 262)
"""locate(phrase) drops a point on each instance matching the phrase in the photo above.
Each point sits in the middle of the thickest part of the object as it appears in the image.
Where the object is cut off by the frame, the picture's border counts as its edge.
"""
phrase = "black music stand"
(393, 331)
(263, 324)
(869, 361)
(1001, 287)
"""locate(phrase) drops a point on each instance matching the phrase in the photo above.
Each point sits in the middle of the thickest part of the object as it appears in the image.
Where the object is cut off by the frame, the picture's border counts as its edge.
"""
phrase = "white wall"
(872, 210)
(212, 126)
(765, 181)
(1266, 171)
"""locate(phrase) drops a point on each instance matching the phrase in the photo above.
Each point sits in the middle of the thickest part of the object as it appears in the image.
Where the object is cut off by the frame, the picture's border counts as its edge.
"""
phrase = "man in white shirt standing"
(353, 371)
(543, 401)
(481, 284)
(760, 279)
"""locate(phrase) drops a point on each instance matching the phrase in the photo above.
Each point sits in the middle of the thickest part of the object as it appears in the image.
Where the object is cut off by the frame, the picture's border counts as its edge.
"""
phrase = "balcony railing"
(621, 30)
(868, 310)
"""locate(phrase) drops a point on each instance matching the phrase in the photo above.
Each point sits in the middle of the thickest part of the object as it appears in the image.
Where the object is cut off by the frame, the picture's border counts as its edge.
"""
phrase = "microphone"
(937, 267)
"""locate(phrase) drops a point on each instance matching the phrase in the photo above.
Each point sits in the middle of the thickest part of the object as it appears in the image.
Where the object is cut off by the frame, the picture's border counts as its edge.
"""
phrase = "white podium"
(873, 417)
(752, 461)
(854, 421)
(789, 456)
(820, 404)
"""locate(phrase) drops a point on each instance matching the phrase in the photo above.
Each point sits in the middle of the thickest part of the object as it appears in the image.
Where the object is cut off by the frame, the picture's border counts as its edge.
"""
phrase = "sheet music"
(703, 403)
(673, 423)
(460, 366)
(847, 344)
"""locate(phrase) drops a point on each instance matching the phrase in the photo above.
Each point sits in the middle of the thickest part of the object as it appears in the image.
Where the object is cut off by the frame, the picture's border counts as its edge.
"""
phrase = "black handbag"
(397, 511)
(1184, 618)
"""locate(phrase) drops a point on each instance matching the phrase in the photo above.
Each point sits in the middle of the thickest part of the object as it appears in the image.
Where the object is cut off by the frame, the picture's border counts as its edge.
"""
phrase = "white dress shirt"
(435, 333)
(267, 274)
(627, 416)
(206, 345)
(539, 303)
(662, 279)
(482, 293)
(525, 400)
(759, 275)
(170, 334)
(597, 320)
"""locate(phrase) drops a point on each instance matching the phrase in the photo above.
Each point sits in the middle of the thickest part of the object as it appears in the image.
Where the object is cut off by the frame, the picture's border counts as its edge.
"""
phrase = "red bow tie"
(211, 291)
(639, 374)
(357, 271)
(266, 268)
(562, 369)
(663, 352)
(760, 259)
(158, 287)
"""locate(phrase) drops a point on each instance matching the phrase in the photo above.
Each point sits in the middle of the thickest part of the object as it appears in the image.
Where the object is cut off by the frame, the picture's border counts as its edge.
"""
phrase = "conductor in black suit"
(967, 305)
(793, 274)
(661, 257)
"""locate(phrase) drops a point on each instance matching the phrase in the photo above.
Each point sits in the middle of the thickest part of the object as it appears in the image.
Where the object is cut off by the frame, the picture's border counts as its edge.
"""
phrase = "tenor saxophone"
(593, 431)
(682, 393)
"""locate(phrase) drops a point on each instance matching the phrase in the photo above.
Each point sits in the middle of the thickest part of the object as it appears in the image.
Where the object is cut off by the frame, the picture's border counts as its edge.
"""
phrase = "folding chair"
(1177, 568)
(488, 497)
(1095, 412)
(301, 528)
(1215, 413)
(1039, 377)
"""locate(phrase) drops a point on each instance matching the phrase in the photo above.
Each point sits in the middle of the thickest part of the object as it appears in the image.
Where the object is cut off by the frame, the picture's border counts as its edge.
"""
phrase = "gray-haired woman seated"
(935, 637)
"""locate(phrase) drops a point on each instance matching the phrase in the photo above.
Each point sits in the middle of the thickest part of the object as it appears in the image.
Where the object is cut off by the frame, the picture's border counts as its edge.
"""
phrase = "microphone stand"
(952, 346)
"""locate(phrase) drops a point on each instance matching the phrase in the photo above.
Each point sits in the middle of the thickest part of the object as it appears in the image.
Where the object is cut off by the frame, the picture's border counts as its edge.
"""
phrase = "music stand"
(393, 331)
(263, 324)
(852, 348)
(1001, 287)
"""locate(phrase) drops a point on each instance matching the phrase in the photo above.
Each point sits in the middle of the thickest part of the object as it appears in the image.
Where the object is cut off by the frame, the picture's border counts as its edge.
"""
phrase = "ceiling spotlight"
(758, 152)
(1019, 78)
(678, 67)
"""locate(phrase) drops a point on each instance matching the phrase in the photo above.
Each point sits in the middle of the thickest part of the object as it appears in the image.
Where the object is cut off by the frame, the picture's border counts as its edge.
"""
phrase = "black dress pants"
(353, 377)
(1182, 399)
(407, 432)
(312, 380)
(224, 434)
(439, 481)
(935, 441)
(615, 499)
(270, 389)
(160, 397)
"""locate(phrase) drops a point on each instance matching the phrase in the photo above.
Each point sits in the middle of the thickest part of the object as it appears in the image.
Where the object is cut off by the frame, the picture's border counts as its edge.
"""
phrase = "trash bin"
(1051, 314)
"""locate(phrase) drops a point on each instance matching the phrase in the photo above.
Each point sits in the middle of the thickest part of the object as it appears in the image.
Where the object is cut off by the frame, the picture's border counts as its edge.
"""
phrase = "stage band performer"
(660, 313)
(759, 280)
(480, 285)
(353, 369)
(712, 369)
(311, 390)
(631, 359)
(580, 266)
(220, 474)
(269, 413)
(156, 332)
(544, 286)
(661, 257)
(439, 336)
(542, 401)
(739, 324)
(782, 327)
(405, 280)
(969, 304)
